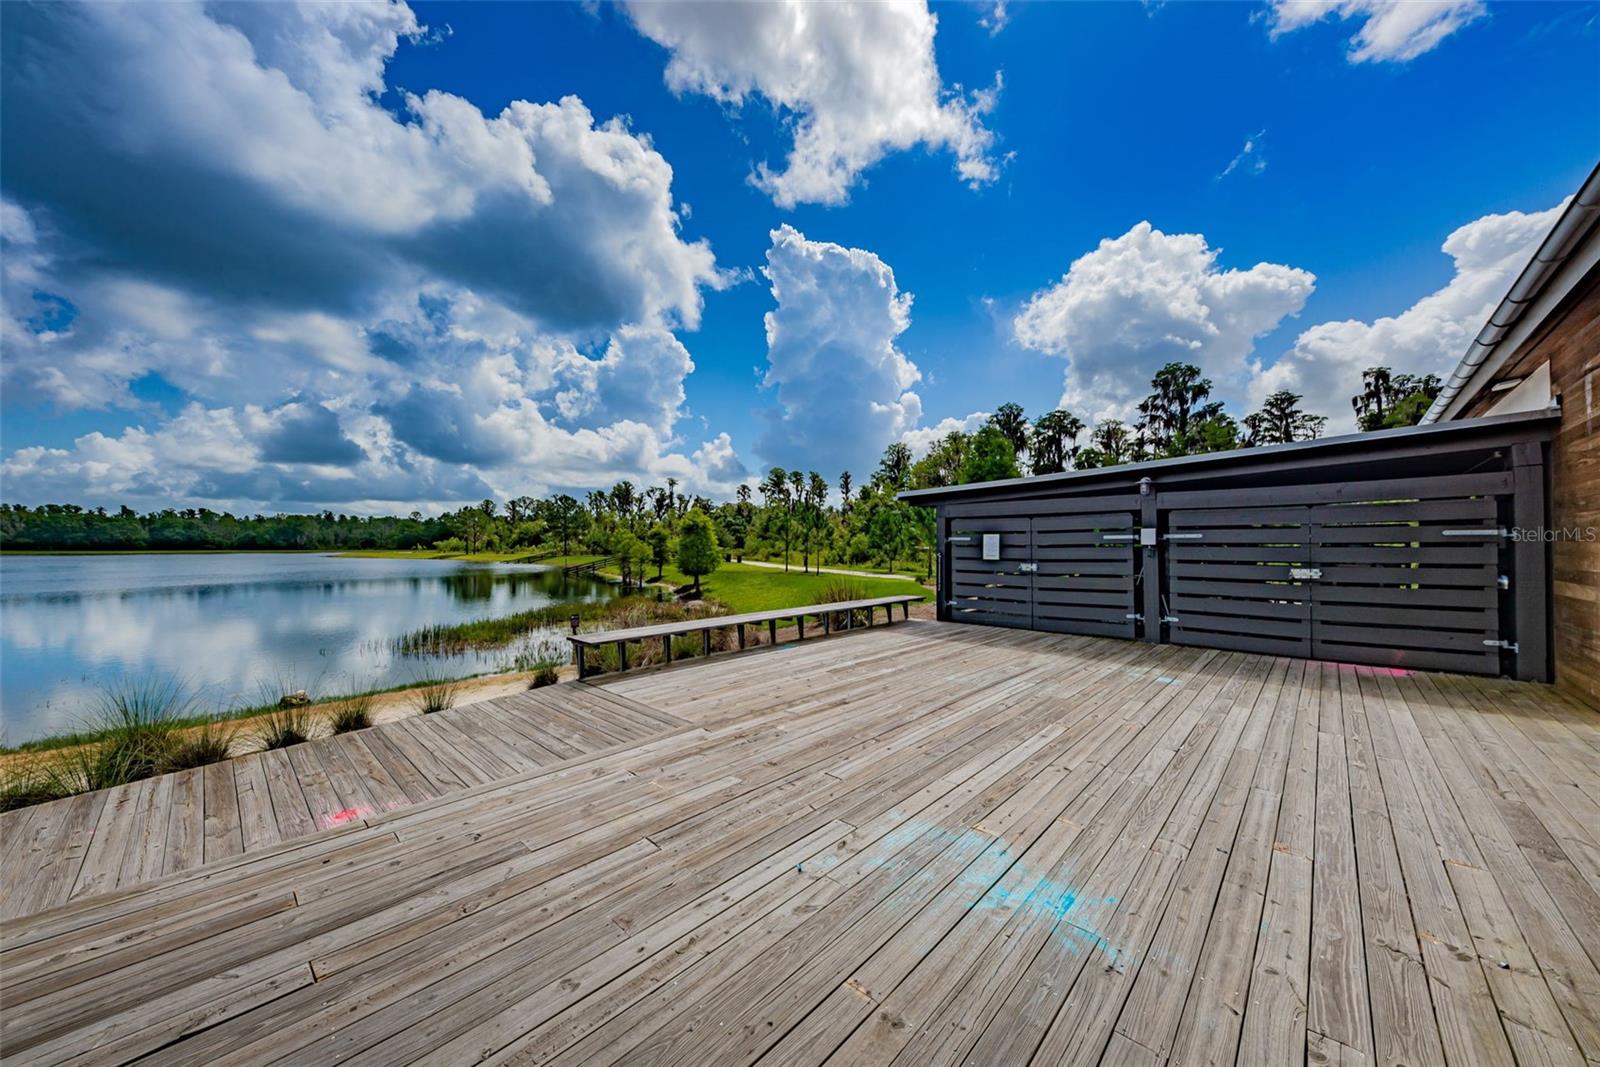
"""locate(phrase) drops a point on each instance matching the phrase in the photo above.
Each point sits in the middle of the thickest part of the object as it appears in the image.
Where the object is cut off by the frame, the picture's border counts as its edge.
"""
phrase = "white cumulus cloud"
(921, 439)
(853, 81)
(1391, 30)
(357, 306)
(1429, 337)
(843, 387)
(1144, 299)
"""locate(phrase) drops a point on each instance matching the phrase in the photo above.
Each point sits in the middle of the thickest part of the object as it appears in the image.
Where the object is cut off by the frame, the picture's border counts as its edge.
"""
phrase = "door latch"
(1027, 568)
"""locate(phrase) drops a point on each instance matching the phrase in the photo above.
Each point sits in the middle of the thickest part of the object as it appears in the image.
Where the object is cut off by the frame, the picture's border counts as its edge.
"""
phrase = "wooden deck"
(117, 838)
(922, 844)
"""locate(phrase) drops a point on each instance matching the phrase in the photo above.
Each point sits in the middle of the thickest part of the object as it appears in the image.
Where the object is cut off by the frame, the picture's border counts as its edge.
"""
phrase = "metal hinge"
(1503, 582)
(1495, 531)
(1118, 537)
(962, 538)
(1027, 568)
(1305, 574)
(1509, 646)
(1183, 536)
(1170, 618)
(1135, 616)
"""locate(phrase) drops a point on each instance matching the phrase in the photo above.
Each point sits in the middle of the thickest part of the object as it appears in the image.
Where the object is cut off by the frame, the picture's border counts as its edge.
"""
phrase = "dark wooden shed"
(1413, 548)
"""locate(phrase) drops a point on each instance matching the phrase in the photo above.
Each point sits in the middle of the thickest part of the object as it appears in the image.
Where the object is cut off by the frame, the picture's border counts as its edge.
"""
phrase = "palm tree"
(844, 490)
(775, 491)
(672, 493)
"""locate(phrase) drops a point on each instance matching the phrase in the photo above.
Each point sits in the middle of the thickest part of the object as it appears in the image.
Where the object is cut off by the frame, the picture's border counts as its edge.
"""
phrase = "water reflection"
(232, 625)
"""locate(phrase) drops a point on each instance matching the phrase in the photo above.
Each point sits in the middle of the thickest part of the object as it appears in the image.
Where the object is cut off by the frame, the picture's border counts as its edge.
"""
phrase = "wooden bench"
(666, 631)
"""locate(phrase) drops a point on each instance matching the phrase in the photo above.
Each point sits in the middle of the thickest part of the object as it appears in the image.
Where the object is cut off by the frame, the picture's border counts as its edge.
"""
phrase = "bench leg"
(705, 642)
(622, 655)
(872, 613)
(906, 608)
(741, 637)
(799, 627)
(666, 648)
(772, 631)
(583, 668)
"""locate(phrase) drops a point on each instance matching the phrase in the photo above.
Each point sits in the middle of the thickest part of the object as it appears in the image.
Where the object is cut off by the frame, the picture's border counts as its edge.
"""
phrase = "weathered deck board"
(929, 844)
(83, 846)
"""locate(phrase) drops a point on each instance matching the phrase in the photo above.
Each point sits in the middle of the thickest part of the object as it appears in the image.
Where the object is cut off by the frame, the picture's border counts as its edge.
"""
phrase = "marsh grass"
(841, 589)
(33, 780)
(545, 672)
(283, 727)
(435, 695)
(351, 713)
(456, 638)
(137, 724)
(210, 742)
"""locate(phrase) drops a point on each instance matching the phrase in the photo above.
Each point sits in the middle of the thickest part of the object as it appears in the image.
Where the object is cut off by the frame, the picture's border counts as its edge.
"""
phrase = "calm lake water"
(232, 627)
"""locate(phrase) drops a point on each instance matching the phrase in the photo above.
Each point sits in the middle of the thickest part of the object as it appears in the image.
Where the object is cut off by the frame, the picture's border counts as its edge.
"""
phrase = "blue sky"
(317, 264)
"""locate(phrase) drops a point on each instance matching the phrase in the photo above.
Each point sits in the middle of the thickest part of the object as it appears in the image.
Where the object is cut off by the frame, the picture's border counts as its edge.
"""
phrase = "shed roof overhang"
(1441, 448)
(1566, 255)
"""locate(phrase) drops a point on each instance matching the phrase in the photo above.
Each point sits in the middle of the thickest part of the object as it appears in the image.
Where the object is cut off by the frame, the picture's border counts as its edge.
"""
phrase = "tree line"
(797, 517)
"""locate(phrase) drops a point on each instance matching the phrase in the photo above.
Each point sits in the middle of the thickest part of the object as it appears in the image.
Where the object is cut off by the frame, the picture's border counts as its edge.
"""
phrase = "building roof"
(1360, 449)
(1566, 254)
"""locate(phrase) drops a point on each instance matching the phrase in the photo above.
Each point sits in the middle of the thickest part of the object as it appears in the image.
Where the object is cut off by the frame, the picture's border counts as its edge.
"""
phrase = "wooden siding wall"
(1570, 343)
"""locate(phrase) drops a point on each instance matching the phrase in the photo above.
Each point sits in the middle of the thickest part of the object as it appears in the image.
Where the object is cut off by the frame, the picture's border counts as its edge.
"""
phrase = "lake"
(234, 627)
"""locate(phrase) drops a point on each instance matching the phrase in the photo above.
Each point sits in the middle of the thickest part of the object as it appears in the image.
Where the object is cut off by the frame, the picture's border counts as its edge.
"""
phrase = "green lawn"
(912, 568)
(745, 588)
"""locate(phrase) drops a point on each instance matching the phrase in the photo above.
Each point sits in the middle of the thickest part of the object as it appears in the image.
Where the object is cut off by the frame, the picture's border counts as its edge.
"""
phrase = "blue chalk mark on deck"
(1000, 883)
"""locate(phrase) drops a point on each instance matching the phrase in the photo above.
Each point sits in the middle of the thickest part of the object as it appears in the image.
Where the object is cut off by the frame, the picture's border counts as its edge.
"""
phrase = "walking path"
(831, 570)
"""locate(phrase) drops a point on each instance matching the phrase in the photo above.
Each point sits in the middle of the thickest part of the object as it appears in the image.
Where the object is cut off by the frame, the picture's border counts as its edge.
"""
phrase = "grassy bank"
(745, 588)
(186, 714)
(455, 638)
(734, 588)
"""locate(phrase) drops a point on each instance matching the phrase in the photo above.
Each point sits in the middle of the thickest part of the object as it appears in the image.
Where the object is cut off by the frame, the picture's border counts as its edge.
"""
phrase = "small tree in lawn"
(659, 539)
(698, 554)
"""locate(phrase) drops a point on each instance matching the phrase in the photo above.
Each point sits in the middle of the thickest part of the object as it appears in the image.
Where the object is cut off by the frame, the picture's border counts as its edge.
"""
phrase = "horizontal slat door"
(1084, 577)
(993, 592)
(1231, 580)
(1408, 584)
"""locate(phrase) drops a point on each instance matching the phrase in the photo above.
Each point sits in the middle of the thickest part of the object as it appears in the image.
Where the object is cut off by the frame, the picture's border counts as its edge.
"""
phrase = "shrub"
(543, 674)
(283, 727)
(211, 742)
(351, 713)
(842, 589)
(435, 694)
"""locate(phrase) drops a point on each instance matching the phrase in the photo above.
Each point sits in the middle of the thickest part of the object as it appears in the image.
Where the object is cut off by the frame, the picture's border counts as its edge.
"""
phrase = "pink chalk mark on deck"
(345, 815)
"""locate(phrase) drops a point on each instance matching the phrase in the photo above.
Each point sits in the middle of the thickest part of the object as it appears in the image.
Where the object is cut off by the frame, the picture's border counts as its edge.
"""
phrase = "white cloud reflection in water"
(229, 625)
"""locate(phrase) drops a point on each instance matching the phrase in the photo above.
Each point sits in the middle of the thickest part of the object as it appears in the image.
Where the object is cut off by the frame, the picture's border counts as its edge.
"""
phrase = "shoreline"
(387, 705)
